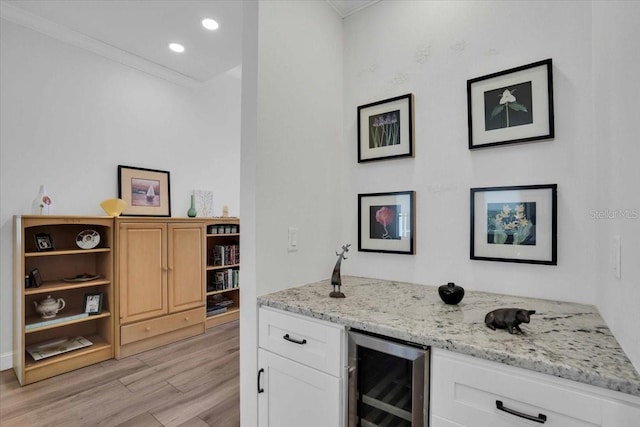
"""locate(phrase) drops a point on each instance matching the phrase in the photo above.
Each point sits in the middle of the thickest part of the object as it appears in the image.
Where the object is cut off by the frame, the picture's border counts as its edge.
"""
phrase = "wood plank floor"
(191, 383)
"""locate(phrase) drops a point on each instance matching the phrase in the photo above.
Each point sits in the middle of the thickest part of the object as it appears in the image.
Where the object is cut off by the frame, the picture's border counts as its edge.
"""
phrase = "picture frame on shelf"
(514, 224)
(146, 191)
(385, 129)
(44, 242)
(511, 106)
(35, 279)
(386, 222)
(93, 303)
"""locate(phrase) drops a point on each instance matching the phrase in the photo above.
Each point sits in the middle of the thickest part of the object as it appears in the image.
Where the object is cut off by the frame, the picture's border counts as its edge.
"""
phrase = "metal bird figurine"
(335, 277)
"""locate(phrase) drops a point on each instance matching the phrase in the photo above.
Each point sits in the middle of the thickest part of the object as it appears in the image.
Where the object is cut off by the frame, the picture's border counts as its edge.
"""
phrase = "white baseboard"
(6, 361)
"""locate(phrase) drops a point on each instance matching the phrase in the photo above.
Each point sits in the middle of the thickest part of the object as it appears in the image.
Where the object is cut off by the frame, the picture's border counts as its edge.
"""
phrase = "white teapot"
(49, 307)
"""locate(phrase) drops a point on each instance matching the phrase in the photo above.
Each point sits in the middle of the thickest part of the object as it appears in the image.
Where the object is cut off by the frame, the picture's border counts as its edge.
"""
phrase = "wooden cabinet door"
(186, 261)
(295, 395)
(142, 277)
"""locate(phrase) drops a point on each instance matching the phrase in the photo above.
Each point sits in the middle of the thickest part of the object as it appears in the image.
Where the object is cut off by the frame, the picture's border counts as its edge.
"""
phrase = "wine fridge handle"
(541, 418)
(260, 389)
(293, 340)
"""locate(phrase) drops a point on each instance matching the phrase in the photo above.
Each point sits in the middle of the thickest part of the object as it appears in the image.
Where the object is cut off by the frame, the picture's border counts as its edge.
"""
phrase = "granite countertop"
(566, 340)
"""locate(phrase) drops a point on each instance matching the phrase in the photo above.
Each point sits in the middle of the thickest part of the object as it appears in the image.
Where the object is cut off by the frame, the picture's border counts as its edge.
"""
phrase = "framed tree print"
(514, 224)
(385, 129)
(511, 106)
(386, 222)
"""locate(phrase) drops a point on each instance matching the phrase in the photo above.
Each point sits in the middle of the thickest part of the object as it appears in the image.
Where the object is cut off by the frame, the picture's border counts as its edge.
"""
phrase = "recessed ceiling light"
(176, 47)
(210, 24)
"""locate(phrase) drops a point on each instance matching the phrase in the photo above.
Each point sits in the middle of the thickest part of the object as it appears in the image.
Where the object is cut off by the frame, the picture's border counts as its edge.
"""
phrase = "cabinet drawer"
(311, 342)
(161, 325)
(465, 391)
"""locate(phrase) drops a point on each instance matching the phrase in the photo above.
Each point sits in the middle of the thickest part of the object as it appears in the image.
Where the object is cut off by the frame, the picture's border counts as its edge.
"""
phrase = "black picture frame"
(35, 279)
(511, 106)
(386, 222)
(514, 224)
(146, 191)
(44, 242)
(385, 129)
(93, 303)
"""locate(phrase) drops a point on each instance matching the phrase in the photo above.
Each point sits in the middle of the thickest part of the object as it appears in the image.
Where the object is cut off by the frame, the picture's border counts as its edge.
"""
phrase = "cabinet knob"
(148, 328)
(186, 319)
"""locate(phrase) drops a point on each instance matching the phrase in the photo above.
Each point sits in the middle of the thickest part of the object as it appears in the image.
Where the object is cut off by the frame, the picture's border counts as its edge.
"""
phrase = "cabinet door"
(186, 266)
(295, 395)
(142, 271)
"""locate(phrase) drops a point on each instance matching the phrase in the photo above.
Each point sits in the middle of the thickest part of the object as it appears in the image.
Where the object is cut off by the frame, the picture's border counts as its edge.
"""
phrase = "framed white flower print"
(515, 224)
(511, 106)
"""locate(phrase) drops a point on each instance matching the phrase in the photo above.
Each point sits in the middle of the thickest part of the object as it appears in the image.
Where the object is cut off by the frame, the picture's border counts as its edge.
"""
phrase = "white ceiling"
(137, 32)
(143, 30)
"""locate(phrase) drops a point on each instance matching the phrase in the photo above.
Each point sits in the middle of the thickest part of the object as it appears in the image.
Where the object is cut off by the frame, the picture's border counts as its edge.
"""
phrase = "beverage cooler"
(388, 382)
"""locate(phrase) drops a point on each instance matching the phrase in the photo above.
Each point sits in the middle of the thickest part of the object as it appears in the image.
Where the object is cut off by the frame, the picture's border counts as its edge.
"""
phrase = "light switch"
(293, 239)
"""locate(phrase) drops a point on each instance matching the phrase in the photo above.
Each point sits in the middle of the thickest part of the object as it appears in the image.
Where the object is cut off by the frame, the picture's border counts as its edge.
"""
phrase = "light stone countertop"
(566, 340)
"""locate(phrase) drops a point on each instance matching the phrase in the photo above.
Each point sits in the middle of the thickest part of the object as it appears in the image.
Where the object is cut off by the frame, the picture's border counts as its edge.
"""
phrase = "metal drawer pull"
(541, 418)
(260, 389)
(293, 340)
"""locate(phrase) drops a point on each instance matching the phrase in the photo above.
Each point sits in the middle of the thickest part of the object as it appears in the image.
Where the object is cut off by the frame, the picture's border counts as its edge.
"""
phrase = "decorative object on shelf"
(44, 242)
(93, 303)
(451, 293)
(225, 211)
(56, 346)
(385, 129)
(511, 106)
(84, 277)
(42, 202)
(204, 203)
(49, 307)
(386, 222)
(35, 279)
(54, 321)
(88, 239)
(147, 192)
(113, 207)
(514, 224)
(508, 318)
(191, 213)
(336, 280)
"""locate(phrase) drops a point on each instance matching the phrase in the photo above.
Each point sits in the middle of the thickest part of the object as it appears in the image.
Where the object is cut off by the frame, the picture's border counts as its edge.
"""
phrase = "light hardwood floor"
(191, 383)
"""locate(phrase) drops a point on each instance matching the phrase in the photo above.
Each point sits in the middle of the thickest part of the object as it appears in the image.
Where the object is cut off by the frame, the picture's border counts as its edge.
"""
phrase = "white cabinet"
(466, 391)
(300, 371)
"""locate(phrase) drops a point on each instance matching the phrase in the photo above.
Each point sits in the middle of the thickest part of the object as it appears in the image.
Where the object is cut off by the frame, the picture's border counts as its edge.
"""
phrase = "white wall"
(291, 157)
(69, 117)
(431, 49)
(616, 67)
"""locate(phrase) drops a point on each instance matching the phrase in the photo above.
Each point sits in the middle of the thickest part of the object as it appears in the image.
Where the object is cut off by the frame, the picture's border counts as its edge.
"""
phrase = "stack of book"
(217, 304)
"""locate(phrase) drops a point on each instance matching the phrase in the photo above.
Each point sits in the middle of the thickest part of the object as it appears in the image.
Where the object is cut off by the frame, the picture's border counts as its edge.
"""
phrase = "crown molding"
(66, 35)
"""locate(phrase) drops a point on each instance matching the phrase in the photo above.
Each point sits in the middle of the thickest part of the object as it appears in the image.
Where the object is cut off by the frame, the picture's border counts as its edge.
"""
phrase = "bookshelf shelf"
(54, 266)
(223, 247)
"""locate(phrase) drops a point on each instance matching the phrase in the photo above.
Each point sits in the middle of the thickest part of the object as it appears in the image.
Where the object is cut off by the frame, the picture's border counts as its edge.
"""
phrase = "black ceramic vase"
(451, 293)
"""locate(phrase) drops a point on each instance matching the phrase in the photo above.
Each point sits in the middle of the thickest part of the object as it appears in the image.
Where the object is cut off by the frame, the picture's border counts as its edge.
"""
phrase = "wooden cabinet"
(161, 274)
(223, 270)
(51, 245)
(471, 392)
(301, 366)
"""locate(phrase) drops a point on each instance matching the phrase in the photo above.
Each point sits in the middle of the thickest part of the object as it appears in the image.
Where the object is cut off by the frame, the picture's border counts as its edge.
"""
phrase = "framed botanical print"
(514, 224)
(386, 222)
(385, 129)
(511, 106)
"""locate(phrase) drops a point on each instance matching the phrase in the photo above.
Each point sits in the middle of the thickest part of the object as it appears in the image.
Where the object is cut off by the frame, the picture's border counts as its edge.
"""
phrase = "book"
(55, 321)
(56, 346)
